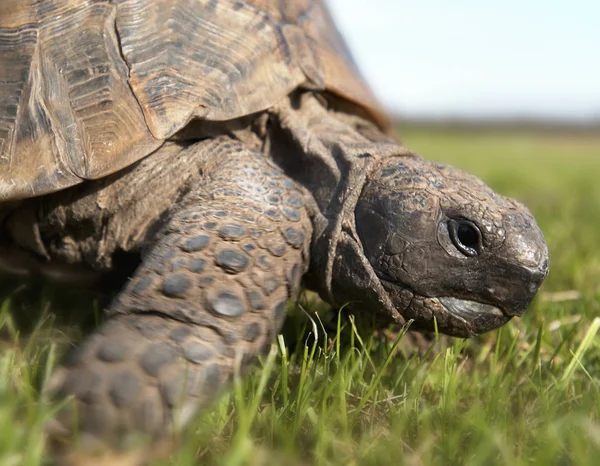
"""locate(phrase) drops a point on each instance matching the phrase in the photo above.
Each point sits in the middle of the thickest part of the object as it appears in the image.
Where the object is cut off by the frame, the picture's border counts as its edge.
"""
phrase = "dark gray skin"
(228, 226)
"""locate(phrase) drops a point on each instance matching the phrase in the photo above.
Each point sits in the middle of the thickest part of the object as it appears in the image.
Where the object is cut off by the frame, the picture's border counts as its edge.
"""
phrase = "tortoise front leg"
(211, 292)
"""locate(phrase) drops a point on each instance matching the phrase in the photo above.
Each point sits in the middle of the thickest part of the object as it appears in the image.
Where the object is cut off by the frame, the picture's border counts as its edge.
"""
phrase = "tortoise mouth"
(468, 310)
(478, 317)
(457, 317)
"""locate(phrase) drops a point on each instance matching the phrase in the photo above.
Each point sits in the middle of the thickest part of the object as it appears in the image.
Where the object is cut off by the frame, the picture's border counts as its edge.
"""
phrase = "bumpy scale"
(213, 288)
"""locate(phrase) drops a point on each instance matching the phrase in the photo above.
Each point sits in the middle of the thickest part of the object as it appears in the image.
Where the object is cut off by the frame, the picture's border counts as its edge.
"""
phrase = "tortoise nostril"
(541, 272)
(538, 275)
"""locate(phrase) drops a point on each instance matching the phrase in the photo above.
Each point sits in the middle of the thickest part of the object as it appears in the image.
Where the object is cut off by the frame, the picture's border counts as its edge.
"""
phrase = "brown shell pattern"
(88, 87)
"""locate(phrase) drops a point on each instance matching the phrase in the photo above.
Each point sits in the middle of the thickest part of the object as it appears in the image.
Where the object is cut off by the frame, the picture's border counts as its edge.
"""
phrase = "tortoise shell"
(88, 87)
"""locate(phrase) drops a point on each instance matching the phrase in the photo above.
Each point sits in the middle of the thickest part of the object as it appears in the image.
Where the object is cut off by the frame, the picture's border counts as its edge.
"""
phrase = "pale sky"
(471, 58)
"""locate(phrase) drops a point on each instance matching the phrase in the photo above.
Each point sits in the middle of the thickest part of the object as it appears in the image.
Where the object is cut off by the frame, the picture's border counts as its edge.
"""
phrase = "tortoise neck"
(332, 155)
(327, 152)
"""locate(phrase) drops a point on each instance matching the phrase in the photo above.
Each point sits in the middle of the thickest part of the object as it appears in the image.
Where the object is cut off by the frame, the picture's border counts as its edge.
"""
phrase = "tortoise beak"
(483, 317)
(469, 309)
(493, 316)
(536, 277)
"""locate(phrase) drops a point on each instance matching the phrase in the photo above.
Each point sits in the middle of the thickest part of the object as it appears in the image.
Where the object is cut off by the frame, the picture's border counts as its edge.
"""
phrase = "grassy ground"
(527, 394)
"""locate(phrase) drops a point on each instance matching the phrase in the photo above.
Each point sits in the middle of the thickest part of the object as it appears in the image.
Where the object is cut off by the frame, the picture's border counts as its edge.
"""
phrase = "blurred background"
(468, 59)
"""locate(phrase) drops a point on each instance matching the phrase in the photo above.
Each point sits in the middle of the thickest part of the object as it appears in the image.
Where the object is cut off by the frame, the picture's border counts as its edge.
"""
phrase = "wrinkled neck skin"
(403, 237)
(332, 155)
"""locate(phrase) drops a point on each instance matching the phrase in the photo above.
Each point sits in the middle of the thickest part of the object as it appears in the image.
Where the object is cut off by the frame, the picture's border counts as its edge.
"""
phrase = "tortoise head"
(445, 246)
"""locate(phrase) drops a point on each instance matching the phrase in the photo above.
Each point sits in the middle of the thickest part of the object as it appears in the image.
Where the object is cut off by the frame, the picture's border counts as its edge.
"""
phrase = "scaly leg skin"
(210, 293)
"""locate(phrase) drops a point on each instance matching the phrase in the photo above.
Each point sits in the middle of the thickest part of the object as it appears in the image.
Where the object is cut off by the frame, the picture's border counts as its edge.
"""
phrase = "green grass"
(527, 394)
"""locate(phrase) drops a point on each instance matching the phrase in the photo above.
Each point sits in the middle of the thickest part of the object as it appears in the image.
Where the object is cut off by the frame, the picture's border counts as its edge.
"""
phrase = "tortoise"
(232, 151)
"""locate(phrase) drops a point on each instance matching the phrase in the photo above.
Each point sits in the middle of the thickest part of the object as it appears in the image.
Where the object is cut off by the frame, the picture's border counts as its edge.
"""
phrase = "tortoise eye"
(465, 236)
